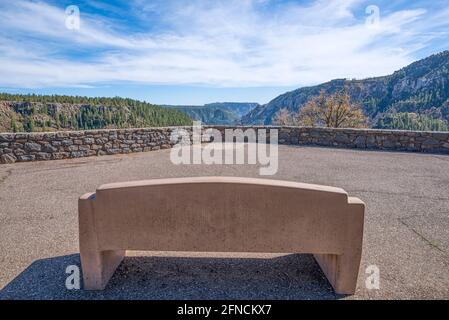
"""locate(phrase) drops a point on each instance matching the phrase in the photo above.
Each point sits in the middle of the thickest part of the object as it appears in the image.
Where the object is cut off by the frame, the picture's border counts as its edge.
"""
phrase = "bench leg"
(342, 270)
(98, 266)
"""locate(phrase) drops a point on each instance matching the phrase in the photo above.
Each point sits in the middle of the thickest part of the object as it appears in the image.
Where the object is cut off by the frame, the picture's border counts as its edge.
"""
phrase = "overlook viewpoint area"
(406, 219)
(224, 150)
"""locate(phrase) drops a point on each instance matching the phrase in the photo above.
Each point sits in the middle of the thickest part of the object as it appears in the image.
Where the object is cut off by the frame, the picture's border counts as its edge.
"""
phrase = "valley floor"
(406, 229)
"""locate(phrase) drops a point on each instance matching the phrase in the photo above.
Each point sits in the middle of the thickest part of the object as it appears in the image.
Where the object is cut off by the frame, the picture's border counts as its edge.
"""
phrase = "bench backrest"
(221, 214)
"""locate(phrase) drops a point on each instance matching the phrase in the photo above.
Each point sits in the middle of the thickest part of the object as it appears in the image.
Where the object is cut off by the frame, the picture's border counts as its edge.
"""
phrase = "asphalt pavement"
(406, 229)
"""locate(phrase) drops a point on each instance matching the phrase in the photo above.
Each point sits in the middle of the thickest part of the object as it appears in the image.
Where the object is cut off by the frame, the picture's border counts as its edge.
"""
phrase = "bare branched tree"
(333, 111)
(285, 118)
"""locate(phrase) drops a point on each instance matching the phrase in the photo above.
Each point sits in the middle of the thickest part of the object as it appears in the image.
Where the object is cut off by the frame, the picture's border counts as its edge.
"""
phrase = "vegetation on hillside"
(53, 112)
(411, 121)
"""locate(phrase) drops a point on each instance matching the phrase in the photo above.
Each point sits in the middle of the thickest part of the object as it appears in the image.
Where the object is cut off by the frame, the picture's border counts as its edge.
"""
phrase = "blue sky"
(200, 51)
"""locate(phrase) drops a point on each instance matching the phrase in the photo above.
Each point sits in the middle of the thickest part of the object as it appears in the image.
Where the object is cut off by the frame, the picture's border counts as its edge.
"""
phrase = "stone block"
(32, 147)
(7, 158)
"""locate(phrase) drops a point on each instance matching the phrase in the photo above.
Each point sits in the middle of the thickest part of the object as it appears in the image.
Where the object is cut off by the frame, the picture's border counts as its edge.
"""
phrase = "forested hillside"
(410, 121)
(49, 113)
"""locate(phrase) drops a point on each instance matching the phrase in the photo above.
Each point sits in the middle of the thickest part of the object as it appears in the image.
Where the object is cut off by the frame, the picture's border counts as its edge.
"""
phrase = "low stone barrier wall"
(19, 147)
(398, 140)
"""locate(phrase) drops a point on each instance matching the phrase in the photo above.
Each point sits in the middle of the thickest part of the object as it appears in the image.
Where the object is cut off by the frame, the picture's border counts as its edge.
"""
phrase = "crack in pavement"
(74, 165)
(429, 242)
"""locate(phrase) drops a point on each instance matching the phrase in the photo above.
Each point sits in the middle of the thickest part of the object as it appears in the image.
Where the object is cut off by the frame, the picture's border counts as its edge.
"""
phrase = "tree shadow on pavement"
(295, 276)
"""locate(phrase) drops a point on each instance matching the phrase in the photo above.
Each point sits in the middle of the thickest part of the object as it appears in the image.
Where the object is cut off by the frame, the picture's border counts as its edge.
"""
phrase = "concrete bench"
(221, 214)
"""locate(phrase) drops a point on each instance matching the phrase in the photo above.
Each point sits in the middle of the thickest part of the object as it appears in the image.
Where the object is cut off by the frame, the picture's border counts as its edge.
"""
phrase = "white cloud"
(219, 43)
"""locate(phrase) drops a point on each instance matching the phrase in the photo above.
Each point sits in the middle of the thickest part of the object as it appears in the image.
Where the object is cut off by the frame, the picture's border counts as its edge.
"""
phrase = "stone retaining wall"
(19, 147)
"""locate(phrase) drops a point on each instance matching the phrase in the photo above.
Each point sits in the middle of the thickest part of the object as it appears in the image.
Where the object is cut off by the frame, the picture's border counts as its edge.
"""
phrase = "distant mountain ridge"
(422, 88)
(218, 113)
(240, 108)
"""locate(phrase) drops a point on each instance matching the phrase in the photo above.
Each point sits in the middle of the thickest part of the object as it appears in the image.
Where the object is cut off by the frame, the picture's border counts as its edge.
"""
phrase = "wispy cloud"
(219, 43)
